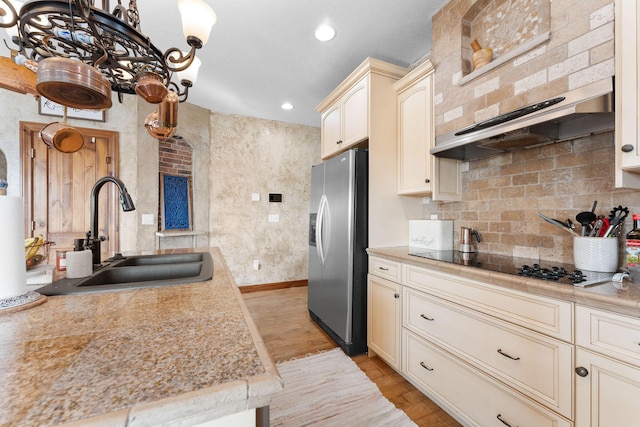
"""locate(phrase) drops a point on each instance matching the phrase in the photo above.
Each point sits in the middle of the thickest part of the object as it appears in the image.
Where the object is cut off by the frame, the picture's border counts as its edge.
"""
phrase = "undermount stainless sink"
(138, 271)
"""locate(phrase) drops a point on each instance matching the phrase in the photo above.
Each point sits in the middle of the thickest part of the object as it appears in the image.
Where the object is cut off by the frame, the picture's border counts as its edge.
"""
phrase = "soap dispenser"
(465, 240)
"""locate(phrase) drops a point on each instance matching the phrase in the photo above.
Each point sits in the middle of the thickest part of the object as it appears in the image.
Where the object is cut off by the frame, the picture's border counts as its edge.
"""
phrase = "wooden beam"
(17, 78)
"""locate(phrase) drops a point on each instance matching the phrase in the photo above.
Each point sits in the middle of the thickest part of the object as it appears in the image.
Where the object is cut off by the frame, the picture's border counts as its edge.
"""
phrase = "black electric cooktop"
(538, 269)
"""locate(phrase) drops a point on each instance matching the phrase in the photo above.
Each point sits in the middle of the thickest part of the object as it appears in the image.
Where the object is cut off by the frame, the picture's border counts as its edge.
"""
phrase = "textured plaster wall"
(233, 156)
(250, 155)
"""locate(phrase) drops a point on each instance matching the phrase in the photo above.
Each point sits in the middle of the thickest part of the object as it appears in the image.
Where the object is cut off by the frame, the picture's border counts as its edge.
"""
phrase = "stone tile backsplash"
(503, 193)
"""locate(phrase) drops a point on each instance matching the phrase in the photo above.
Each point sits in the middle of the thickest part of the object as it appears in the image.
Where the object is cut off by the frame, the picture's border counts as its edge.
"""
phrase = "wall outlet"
(255, 197)
(274, 218)
(256, 264)
(147, 219)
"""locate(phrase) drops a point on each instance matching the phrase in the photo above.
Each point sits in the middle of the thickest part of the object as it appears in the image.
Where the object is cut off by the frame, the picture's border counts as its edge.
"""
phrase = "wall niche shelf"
(506, 57)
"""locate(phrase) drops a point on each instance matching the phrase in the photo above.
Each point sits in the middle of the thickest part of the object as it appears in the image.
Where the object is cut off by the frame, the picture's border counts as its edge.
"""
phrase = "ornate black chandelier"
(109, 40)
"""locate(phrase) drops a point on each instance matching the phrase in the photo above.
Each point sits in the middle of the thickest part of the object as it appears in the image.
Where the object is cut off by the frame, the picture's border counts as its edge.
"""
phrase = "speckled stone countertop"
(604, 296)
(175, 354)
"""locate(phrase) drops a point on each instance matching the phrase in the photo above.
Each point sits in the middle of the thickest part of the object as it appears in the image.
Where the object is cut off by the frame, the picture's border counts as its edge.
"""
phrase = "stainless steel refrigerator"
(337, 249)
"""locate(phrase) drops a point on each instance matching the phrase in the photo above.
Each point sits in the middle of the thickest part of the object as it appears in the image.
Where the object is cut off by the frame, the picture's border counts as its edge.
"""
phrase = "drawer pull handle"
(507, 355)
(383, 269)
(503, 421)
(582, 371)
(427, 318)
(425, 366)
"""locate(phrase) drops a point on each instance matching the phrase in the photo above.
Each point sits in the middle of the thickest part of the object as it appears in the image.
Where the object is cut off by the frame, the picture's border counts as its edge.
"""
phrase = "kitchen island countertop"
(180, 354)
(604, 296)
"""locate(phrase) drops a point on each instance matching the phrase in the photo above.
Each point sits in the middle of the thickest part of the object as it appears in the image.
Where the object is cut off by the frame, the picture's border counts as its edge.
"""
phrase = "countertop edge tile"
(112, 419)
(193, 407)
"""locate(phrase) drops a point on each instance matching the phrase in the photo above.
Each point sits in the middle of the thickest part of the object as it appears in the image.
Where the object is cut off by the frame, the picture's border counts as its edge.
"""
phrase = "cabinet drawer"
(384, 268)
(546, 315)
(608, 333)
(536, 365)
(476, 398)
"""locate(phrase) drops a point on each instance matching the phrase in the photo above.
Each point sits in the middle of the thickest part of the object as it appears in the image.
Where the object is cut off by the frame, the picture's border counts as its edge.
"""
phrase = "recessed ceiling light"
(325, 33)
(287, 106)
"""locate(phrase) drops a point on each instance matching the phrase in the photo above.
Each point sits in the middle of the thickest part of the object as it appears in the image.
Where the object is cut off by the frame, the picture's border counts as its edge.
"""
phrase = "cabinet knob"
(581, 371)
(627, 148)
(427, 181)
(396, 295)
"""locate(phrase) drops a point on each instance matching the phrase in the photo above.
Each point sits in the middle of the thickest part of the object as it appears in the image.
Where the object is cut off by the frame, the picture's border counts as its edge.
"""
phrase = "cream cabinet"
(345, 123)
(361, 112)
(487, 354)
(627, 82)
(469, 395)
(419, 172)
(607, 369)
(383, 311)
(538, 366)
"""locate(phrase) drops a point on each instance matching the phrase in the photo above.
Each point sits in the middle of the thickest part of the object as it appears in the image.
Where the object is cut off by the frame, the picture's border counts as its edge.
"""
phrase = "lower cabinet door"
(607, 391)
(454, 384)
(383, 319)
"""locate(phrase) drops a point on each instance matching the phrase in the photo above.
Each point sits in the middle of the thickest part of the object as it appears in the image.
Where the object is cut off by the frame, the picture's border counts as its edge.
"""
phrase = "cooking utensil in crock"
(557, 223)
(73, 83)
(616, 218)
(585, 219)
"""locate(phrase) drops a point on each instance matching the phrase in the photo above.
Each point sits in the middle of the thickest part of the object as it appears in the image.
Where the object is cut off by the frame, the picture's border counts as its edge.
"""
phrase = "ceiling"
(263, 53)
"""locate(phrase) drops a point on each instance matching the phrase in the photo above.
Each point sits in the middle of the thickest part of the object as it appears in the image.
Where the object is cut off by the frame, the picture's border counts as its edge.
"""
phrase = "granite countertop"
(604, 296)
(136, 357)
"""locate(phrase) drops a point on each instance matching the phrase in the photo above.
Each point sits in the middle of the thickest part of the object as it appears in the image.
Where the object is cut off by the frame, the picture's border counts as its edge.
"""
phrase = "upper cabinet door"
(331, 131)
(355, 113)
(419, 172)
(414, 108)
(627, 43)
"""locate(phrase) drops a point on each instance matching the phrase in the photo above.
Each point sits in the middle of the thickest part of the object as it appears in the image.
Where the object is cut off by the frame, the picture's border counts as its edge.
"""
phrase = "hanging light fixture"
(110, 41)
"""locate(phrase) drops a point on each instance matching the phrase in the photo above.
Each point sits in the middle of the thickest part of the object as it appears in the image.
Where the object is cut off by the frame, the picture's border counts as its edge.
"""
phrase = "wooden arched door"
(57, 188)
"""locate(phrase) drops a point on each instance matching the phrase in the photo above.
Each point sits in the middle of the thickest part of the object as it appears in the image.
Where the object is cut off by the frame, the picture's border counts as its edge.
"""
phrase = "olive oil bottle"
(632, 249)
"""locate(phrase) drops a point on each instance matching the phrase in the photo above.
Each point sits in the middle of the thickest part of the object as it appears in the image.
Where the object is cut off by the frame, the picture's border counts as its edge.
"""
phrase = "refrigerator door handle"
(320, 224)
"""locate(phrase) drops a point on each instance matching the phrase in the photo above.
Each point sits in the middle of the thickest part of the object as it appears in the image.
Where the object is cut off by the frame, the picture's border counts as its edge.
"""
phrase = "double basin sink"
(138, 271)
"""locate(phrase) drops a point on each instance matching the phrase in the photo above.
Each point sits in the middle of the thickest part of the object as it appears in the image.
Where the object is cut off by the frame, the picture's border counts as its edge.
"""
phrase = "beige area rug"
(328, 389)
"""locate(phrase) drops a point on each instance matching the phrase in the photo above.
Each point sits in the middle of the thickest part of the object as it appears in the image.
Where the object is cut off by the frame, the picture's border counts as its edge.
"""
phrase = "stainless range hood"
(584, 111)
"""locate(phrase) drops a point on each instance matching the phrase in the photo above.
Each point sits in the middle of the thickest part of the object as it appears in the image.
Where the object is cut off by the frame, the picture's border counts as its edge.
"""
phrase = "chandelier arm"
(173, 55)
(13, 13)
(182, 96)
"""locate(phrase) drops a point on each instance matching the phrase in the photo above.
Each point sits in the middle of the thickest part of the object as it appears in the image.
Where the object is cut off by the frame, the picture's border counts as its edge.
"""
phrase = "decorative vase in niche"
(482, 57)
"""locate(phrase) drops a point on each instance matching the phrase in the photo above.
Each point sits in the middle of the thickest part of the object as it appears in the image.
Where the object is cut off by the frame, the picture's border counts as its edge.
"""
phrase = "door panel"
(57, 188)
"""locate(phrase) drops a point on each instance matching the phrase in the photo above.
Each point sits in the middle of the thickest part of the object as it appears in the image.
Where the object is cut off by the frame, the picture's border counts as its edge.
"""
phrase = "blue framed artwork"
(175, 199)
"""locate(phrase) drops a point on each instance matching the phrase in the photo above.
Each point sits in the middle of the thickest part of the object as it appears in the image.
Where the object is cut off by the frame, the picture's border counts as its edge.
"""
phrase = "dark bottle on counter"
(632, 250)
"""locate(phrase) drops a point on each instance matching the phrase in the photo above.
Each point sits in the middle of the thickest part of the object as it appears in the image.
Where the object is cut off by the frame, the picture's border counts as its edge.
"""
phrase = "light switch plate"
(147, 219)
(255, 197)
(274, 218)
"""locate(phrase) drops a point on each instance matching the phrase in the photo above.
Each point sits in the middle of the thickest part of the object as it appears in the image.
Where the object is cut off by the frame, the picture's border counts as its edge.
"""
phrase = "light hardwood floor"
(283, 321)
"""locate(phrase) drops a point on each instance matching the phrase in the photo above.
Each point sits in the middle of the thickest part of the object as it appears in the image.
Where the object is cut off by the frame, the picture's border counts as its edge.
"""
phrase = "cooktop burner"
(561, 273)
